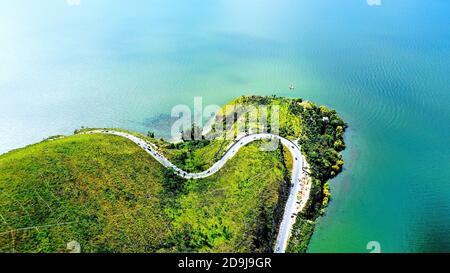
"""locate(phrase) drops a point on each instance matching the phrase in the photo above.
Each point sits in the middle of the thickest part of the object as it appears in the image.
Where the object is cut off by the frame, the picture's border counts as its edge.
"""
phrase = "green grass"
(235, 209)
(95, 184)
(99, 190)
(106, 193)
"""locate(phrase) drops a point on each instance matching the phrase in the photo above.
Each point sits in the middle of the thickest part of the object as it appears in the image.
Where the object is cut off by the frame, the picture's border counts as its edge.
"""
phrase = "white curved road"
(299, 191)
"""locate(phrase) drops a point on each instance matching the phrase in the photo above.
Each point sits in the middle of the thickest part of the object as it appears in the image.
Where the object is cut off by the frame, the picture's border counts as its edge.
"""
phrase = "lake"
(385, 68)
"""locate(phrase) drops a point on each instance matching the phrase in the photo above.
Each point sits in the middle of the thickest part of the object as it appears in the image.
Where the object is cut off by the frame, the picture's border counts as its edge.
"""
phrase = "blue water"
(126, 64)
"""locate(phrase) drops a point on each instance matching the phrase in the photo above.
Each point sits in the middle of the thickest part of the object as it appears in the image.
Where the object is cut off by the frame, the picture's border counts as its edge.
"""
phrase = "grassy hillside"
(238, 208)
(106, 193)
(99, 190)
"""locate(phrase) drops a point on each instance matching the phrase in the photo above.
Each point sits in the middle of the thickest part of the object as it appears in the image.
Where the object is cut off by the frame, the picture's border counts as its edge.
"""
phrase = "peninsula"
(111, 190)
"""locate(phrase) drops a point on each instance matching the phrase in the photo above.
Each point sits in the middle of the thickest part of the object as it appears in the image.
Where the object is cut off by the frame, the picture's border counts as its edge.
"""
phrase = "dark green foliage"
(173, 183)
(301, 235)
(295, 107)
(186, 159)
(321, 140)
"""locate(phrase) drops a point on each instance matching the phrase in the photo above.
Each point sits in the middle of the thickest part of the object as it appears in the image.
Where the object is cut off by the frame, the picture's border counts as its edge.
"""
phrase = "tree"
(339, 145)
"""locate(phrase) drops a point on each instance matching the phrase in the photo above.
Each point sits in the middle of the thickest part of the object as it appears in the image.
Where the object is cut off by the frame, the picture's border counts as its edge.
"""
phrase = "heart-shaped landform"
(253, 180)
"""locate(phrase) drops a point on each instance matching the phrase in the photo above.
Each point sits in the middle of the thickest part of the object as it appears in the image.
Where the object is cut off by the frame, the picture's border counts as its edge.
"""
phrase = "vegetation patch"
(109, 195)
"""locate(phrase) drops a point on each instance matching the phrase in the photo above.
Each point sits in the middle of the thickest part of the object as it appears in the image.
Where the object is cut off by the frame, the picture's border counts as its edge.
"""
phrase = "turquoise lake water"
(385, 69)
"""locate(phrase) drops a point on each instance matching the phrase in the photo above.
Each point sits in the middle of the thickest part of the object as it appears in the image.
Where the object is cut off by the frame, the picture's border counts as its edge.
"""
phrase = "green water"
(385, 69)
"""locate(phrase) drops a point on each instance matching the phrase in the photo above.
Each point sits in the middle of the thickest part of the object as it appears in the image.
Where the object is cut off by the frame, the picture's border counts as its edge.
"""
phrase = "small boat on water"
(291, 87)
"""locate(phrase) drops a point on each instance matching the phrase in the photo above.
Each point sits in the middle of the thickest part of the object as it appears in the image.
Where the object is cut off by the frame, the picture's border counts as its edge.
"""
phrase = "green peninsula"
(108, 195)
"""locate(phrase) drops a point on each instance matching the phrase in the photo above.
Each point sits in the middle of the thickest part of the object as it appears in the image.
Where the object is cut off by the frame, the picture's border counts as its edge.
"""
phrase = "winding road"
(300, 187)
